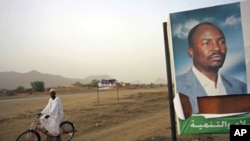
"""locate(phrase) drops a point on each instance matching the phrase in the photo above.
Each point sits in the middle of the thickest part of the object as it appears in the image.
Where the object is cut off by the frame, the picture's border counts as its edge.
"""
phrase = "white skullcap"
(52, 90)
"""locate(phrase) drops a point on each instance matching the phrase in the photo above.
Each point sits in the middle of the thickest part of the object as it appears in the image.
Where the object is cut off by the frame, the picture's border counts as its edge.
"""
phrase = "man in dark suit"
(207, 48)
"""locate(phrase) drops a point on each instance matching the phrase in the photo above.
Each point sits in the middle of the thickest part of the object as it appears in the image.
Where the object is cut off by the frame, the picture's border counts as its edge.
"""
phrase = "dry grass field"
(139, 115)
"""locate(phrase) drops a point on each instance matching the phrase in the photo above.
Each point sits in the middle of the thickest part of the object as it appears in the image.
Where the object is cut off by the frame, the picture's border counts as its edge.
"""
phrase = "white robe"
(55, 111)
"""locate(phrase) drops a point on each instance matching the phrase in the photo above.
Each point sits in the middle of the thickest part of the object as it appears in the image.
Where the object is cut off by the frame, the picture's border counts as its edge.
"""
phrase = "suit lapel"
(193, 85)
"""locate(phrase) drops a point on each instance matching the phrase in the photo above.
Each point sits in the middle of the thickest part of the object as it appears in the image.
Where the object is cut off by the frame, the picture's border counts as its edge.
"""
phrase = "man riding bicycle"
(51, 115)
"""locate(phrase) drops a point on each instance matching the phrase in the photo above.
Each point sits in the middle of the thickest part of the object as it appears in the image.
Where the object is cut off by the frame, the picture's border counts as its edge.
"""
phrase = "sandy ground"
(136, 115)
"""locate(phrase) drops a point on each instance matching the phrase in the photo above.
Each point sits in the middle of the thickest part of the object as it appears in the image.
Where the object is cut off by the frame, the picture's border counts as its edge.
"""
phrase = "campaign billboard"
(210, 68)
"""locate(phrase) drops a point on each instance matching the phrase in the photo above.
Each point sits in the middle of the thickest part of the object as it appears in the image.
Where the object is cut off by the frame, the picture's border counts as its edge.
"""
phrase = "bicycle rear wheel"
(67, 129)
(29, 135)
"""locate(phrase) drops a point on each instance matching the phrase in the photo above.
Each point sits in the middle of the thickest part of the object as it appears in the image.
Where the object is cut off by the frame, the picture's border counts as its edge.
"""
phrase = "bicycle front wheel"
(29, 135)
(67, 130)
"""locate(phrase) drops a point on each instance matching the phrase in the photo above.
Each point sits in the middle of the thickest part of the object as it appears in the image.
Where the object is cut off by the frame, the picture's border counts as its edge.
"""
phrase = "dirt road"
(139, 115)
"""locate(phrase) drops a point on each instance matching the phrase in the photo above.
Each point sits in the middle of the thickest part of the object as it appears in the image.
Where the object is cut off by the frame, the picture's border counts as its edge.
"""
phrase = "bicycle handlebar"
(37, 116)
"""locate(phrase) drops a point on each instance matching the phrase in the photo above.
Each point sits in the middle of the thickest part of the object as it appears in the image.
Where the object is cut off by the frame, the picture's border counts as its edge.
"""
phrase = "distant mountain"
(11, 80)
(157, 81)
(137, 82)
(160, 81)
(97, 77)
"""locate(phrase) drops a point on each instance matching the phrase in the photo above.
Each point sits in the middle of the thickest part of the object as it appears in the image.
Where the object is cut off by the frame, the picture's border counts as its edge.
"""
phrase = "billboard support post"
(117, 91)
(170, 83)
(97, 92)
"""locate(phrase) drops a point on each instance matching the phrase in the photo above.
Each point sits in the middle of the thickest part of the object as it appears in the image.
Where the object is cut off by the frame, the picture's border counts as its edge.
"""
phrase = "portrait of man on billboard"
(208, 51)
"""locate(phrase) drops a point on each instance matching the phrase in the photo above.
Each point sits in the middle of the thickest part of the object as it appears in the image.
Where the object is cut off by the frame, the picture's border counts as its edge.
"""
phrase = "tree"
(94, 83)
(78, 84)
(38, 86)
(20, 89)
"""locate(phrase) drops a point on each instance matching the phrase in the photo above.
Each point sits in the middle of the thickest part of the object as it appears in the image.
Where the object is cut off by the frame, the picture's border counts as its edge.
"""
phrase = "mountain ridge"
(12, 79)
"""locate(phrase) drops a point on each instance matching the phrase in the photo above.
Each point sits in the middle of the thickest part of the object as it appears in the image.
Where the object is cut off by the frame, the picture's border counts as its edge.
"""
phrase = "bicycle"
(67, 131)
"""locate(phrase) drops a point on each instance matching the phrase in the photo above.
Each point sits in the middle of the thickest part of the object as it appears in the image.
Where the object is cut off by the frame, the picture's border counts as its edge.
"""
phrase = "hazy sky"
(79, 38)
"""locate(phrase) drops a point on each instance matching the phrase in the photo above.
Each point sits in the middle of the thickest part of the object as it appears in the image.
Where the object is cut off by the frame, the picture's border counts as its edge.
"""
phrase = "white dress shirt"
(210, 88)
